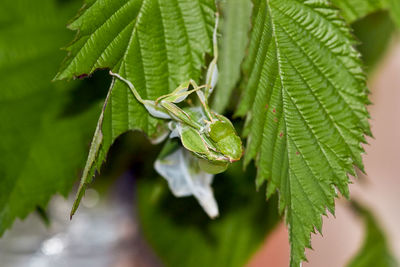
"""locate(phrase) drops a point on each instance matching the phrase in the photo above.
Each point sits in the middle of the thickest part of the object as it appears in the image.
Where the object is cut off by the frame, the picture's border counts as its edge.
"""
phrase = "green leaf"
(305, 103)
(182, 235)
(394, 8)
(235, 25)
(352, 10)
(374, 33)
(156, 45)
(375, 250)
(42, 143)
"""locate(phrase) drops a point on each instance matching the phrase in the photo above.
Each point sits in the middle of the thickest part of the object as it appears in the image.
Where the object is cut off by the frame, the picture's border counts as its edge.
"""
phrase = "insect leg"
(212, 72)
(180, 96)
(151, 106)
(178, 114)
(130, 85)
(203, 99)
(182, 88)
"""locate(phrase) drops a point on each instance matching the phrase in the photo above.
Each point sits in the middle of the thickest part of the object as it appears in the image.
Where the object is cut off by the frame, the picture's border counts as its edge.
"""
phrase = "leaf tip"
(59, 76)
(78, 198)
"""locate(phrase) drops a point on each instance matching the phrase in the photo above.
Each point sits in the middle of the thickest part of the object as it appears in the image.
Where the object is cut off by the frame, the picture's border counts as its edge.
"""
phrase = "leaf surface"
(353, 10)
(42, 145)
(305, 110)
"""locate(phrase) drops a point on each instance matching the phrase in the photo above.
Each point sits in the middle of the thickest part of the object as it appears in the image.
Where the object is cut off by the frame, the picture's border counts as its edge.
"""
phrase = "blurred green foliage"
(46, 127)
(374, 33)
(375, 250)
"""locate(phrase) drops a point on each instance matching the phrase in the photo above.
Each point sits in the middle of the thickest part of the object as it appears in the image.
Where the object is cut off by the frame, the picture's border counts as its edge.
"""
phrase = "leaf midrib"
(291, 172)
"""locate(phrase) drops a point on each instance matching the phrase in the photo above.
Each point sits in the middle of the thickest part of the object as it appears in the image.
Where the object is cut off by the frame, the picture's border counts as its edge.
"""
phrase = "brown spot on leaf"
(82, 76)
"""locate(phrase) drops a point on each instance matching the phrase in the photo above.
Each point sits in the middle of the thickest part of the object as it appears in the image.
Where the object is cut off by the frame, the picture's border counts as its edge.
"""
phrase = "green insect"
(210, 136)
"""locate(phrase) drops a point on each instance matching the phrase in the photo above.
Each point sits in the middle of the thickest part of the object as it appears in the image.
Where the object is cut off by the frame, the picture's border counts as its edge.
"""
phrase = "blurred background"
(128, 217)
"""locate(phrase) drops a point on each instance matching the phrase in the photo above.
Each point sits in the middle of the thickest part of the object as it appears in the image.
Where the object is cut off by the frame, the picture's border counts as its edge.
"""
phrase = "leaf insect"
(208, 135)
